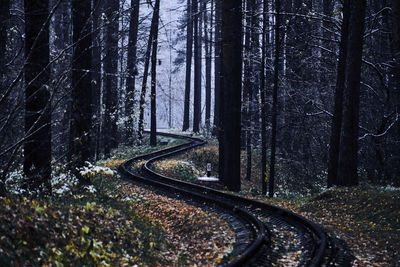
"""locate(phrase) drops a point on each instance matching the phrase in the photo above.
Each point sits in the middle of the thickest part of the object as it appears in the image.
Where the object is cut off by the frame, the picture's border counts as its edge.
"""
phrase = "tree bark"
(153, 125)
(189, 51)
(247, 73)
(263, 92)
(96, 77)
(348, 158)
(111, 71)
(229, 135)
(37, 147)
(197, 64)
(217, 66)
(275, 99)
(132, 70)
(154, 20)
(4, 22)
(396, 50)
(81, 87)
(336, 127)
(208, 47)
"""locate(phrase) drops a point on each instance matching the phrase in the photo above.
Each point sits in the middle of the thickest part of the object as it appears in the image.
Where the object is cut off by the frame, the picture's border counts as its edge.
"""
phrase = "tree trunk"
(81, 86)
(217, 66)
(247, 74)
(263, 93)
(189, 51)
(154, 20)
(208, 47)
(229, 136)
(153, 125)
(37, 147)
(132, 70)
(348, 158)
(96, 77)
(396, 50)
(197, 65)
(336, 127)
(4, 21)
(111, 70)
(275, 98)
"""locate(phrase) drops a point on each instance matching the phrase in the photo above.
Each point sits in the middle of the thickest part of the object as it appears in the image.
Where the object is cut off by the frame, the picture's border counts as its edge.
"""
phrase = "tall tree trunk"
(81, 86)
(229, 135)
(208, 47)
(396, 30)
(153, 125)
(197, 65)
(111, 70)
(4, 21)
(132, 70)
(217, 65)
(396, 49)
(275, 98)
(154, 20)
(37, 147)
(253, 80)
(96, 77)
(348, 158)
(336, 127)
(263, 93)
(189, 51)
(247, 73)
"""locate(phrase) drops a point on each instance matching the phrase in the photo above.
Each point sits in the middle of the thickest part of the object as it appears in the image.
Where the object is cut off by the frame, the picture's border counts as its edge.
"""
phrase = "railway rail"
(265, 234)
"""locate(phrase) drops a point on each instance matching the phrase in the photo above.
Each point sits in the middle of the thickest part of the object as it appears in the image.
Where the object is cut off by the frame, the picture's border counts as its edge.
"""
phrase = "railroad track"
(266, 235)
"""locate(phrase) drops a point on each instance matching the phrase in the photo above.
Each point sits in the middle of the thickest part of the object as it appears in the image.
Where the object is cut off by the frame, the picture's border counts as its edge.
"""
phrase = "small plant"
(177, 169)
(185, 172)
(200, 157)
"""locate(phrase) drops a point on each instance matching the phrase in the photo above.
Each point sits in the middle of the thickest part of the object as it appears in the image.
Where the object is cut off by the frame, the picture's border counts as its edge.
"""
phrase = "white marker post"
(208, 169)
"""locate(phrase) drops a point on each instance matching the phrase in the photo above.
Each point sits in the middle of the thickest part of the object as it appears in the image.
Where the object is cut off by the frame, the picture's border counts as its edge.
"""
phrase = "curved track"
(265, 234)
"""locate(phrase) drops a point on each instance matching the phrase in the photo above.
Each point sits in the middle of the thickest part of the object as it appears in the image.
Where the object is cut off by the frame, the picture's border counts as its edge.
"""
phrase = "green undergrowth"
(82, 228)
(126, 152)
(91, 225)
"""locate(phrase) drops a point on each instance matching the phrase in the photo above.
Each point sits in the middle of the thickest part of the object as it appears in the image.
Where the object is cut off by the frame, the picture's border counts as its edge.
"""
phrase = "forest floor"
(366, 217)
(113, 222)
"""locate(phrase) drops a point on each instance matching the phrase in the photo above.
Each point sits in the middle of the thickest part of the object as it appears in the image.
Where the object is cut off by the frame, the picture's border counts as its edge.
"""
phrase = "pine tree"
(230, 98)
(132, 68)
(189, 46)
(334, 144)
(153, 125)
(37, 146)
(81, 120)
(197, 25)
(348, 158)
(217, 66)
(111, 82)
(275, 98)
(153, 31)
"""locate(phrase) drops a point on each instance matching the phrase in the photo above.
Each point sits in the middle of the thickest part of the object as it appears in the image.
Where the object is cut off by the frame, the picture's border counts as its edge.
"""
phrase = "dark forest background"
(311, 86)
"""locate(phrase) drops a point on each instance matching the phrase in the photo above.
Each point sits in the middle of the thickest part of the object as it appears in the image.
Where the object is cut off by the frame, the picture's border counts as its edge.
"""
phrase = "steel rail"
(225, 200)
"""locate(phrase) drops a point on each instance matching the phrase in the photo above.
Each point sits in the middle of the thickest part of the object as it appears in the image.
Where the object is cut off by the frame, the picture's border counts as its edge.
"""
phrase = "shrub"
(176, 169)
(200, 157)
